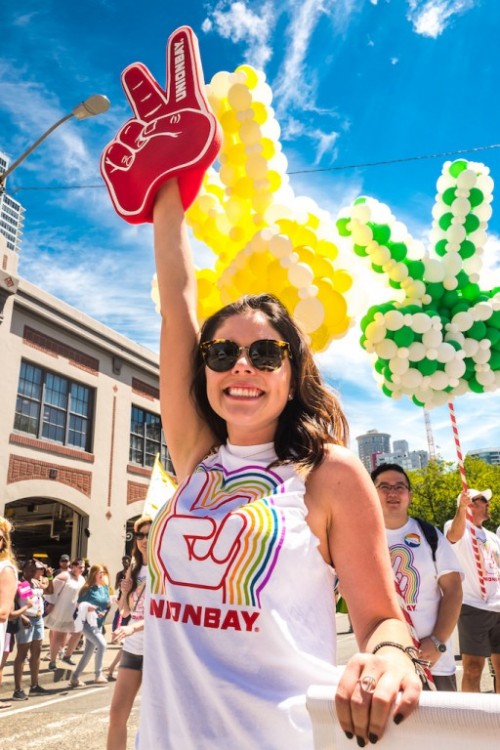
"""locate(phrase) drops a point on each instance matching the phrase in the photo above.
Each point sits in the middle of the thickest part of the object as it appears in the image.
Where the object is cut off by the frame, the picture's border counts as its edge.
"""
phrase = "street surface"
(78, 718)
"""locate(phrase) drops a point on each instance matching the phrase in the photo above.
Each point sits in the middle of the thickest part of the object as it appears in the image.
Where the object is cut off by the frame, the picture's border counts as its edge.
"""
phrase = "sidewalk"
(58, 678)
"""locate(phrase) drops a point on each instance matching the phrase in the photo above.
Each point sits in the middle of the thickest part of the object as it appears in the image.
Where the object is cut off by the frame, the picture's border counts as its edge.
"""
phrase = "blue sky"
(354, 82)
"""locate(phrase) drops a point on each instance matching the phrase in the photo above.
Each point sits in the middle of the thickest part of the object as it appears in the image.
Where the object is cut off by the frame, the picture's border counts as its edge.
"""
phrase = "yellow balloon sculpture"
(264, 237)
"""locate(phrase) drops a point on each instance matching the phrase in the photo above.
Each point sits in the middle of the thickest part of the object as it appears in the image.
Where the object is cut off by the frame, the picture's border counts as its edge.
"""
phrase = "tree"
(435, 489)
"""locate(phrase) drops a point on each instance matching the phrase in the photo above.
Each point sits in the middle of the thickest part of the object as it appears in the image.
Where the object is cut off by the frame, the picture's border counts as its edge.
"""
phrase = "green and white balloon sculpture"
(442, 339)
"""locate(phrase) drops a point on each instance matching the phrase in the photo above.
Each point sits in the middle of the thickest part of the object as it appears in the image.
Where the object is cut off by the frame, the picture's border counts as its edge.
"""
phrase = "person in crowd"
(29, 637)
(479, 621)
(118, 616)
(64, 562)
(132, 637)
(8, 585)
(60, 620)
(95, 596)
(427, 573)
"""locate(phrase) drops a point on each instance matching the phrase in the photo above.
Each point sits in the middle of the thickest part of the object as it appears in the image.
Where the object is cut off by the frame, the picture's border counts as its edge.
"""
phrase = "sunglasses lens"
(266, 354)
(221, 355)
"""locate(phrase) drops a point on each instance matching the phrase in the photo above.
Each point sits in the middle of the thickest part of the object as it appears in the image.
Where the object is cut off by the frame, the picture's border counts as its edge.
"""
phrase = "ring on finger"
(367, 683)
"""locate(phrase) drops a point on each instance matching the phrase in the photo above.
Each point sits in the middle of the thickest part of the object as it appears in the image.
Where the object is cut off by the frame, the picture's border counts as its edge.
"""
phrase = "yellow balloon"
(229, 121)
(342, 280)
(268, 148)
(260, 112)
(239, 97)
(251, 75)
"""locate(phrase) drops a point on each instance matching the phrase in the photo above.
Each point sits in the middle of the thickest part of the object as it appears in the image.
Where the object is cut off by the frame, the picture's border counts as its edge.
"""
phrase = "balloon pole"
(416, 641)
(461, 468)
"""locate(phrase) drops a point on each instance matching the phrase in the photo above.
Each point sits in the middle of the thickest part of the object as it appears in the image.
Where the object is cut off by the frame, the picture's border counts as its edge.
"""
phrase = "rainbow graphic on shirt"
(405, 572)
(225, 529)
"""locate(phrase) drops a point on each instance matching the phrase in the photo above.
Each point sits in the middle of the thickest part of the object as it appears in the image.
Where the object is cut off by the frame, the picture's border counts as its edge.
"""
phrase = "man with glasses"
(426, 570)
(479, 622)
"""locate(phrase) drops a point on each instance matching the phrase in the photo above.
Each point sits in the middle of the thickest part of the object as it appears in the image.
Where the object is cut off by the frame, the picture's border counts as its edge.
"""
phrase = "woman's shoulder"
(340, 472)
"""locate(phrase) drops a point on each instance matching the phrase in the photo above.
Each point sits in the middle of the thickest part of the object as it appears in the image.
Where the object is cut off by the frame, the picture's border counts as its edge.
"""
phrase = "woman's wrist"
(414, 655)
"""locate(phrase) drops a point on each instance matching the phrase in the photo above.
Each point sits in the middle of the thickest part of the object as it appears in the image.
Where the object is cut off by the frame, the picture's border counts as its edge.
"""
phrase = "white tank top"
(240, 616)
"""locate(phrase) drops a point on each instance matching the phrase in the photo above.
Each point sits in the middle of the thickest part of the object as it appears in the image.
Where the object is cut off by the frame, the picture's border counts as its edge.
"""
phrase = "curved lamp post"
(92, 106)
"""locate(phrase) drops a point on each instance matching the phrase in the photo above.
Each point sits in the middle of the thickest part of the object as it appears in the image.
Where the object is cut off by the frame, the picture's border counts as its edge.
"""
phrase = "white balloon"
(439, 380)
(386, 348)
(445, 352)
(361, 234)
(450, 283)
(412, 378)
(455, 368)
(394, 320)
(466, 179)
(375, 332)
(481, 356)
(460, 207)
(361, 212)
(421, 323)
(398, 366)
(470, 347)
(482, 311)
(463, 321)
(431, 339)
(485, 378)
(452, 263)
(416, 351)
(456, 233)
(434, 270)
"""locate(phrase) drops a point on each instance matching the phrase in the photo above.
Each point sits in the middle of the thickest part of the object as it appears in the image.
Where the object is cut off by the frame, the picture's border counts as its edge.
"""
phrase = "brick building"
(79, 425)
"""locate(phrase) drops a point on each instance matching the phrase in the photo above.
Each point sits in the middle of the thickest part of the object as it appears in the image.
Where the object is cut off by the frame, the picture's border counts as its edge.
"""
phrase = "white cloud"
(236, 21)
(431, 17)
(394, 60)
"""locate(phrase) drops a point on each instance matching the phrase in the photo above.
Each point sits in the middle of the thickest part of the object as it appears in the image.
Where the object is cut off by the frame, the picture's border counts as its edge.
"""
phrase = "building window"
(146, 439)
(54, 408)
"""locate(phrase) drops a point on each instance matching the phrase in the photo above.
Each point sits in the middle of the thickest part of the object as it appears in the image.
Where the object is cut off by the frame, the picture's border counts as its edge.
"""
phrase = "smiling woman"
(241, 617)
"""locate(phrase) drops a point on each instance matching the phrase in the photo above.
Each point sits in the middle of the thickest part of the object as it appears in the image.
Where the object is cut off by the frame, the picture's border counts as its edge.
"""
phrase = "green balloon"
(398, 250)
(427, 366)
(494, 320)
(404, 336)
(388, 374)
(435, 290)
(395, 284)
(470, 367)
(467, 249)
(450, 299)
(475, 386)
(342, 227)
(361, 199)
(380, 365)
(495, 359)
(461, 306)
(462, 279)
(476, 197)
(386, 391)
(381, 232)
(440, 247)
(471, 292)
(377, 269)
(410, 309)
(416, 268)
(368, 317)
(493, 334)
(416, 401)
(360, 250)
(471, 223)
(457, 166)
(445, 221)
(454, 344)
(449, 195)
(477, 330)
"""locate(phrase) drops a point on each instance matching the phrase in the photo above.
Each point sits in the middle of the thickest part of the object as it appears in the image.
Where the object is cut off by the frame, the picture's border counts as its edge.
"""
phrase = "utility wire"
(365, 165)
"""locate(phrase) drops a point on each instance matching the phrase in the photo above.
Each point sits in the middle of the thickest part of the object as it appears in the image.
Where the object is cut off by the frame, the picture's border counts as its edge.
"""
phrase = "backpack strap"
(430, 533)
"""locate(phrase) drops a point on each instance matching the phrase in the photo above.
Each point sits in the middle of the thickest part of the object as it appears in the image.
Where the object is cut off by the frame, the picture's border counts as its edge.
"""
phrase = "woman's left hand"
(368, 690)
(122, 632)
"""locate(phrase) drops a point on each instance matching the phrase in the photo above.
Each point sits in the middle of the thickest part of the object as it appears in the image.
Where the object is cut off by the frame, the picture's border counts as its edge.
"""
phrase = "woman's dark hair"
(311, 419)
(137, 561)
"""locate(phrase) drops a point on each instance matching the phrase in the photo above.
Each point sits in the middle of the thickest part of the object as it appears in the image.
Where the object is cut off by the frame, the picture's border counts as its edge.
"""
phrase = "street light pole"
(92, 106)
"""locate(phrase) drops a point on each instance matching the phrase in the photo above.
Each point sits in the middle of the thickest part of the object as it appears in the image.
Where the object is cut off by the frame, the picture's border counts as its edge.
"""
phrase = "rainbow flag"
(161, 488)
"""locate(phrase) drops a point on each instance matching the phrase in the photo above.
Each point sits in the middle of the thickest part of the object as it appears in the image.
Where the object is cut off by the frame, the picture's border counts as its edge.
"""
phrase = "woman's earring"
(290, 396)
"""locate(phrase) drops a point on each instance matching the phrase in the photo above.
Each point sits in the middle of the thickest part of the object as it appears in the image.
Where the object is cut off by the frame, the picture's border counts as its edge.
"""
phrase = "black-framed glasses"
(140, 535)
(480, 499)
(221, 355)
(385, 488)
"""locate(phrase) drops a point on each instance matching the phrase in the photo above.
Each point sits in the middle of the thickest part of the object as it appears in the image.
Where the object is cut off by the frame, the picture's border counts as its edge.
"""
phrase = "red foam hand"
(173, 133)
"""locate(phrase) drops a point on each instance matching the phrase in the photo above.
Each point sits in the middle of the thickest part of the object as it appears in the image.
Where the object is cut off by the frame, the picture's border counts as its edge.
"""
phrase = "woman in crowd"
(240, 619)
(29, 636)
(8, 585)
(94, 605)
(131, 634)
(60, 620)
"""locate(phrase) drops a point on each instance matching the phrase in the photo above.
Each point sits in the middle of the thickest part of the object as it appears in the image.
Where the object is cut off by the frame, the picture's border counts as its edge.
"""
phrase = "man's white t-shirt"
(418, 578)
(489, 549)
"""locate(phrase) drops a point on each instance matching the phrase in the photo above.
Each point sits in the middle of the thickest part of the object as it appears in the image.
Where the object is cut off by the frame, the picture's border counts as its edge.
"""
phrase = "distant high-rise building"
(408, 460)
(490, 455)
(11, 213)
(400, 446)
(370, 444)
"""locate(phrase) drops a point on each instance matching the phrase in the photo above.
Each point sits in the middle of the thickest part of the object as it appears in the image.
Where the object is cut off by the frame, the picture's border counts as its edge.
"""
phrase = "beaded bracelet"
(413, 654)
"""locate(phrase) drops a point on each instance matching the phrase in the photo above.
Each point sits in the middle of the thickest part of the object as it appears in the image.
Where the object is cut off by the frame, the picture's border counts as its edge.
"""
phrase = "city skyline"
(390, 86)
